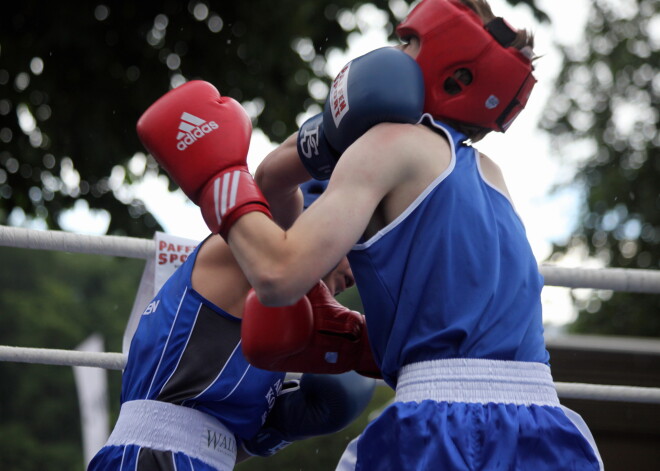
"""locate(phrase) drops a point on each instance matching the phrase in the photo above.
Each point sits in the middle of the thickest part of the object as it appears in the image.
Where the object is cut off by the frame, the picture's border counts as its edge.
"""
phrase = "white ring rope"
(118, 246)
(117, 361)
(602, 392)
(617, 279)
(51, 356)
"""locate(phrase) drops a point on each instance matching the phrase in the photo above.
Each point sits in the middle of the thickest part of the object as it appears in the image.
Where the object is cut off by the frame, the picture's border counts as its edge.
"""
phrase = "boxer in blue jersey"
(191, 401)
(449, 284)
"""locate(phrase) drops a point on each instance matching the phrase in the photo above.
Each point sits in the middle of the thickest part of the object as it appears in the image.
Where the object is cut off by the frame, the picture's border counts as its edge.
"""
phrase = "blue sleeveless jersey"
(453, 276)
(187, 351)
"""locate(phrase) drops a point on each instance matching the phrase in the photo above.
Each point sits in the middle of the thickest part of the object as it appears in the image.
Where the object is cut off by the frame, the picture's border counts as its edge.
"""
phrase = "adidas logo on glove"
(192, 128)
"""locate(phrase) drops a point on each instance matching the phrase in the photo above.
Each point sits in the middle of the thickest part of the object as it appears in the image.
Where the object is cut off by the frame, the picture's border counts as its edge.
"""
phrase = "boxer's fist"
(385, 85)
(271, 334)
(316, 405)
(315, 335)
(201, 139)
(354, 351)
(314, 150)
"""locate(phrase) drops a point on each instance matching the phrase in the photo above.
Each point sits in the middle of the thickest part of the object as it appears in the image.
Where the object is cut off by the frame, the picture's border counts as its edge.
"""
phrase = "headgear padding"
(471, 75)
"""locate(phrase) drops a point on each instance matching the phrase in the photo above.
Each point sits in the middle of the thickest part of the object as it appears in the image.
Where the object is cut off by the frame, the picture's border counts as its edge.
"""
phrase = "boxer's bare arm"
(218, 277)
(390, 159)
(278, 177)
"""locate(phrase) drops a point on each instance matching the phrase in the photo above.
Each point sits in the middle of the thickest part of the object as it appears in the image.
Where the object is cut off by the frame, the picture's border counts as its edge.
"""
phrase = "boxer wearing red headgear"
(448, 281)
(471, 72)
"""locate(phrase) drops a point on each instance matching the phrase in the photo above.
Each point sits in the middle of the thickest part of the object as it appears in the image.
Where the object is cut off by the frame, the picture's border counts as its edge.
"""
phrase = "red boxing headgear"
(470, 73)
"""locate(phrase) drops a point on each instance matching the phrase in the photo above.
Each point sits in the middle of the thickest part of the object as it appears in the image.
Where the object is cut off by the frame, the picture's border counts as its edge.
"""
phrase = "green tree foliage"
(55, 300)
(605, 110)
(75, 77)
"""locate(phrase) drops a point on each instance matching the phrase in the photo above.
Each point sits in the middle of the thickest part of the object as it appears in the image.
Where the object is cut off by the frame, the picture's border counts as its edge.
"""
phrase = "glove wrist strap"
(228, 196)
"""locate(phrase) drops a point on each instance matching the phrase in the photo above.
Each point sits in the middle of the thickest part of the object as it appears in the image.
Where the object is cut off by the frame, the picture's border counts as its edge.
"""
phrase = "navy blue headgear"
(311, 190)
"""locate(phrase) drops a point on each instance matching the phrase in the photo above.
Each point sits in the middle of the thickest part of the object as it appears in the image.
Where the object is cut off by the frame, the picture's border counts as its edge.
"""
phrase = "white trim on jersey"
(401, 217)
(167, 342)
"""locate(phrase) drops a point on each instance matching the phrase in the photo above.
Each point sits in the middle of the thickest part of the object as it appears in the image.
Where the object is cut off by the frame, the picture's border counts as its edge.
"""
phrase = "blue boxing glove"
(315, 405)
(385, 85)
(314, 150)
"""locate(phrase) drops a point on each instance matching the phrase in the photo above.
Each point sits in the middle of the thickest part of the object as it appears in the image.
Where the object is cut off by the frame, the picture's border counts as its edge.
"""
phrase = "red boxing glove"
(201, 139)
(314, 335)
(365, 364)
(357, 353)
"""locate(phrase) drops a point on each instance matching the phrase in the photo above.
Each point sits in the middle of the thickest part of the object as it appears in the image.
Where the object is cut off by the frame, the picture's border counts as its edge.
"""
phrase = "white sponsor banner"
(171, 252)
(92, 386)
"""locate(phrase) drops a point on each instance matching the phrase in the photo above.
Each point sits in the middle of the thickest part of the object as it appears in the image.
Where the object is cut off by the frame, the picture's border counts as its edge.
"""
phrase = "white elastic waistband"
(163, 426)
(478, 381)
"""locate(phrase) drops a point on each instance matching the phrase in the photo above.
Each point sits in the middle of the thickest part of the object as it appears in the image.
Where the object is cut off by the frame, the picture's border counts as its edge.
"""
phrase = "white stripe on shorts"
(477, 380)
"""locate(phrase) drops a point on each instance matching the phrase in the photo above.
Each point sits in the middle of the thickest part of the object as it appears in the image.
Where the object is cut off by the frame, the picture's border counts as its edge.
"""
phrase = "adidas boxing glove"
(385, 85)
(201, 139)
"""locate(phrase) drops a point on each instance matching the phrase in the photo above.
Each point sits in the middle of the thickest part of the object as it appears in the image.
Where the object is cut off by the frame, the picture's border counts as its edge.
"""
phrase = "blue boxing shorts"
(474, 414)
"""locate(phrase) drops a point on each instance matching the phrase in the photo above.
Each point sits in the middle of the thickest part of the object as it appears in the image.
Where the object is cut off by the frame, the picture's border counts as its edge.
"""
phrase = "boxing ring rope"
(118, 246)
(52, 356)
(616, 279)
(116, 361)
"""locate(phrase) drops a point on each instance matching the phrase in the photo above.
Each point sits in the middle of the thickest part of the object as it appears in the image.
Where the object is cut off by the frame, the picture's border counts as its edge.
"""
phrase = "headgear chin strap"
(471, 75)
